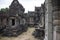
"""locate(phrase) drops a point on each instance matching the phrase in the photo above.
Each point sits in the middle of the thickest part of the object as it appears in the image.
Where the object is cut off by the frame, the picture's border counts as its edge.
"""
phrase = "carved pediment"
(16, 7)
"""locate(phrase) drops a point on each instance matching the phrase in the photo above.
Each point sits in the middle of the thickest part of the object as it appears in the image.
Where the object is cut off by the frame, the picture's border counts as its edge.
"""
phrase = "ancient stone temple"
(13, 21)
(39, 28)
(45, 19)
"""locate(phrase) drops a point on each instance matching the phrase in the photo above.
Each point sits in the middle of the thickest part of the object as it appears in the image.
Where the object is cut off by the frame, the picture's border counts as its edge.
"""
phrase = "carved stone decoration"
(15, 8)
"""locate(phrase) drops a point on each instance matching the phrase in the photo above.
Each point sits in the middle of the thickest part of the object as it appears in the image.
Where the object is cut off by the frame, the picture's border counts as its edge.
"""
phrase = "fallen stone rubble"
(38, 33)
(8, 31)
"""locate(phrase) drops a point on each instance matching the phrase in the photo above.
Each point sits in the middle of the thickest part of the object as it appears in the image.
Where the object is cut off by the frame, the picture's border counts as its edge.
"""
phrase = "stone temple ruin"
(13, 22)
(39, 28)
(45, 19)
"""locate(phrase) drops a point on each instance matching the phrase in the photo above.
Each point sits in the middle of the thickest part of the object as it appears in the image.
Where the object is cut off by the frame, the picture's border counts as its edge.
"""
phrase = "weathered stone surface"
(14, 31)
(38, 33)
(12, 23)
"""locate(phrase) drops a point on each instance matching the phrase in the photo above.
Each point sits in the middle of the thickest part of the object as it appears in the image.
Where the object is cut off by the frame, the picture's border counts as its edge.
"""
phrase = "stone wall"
(56, 18)
(48, 20)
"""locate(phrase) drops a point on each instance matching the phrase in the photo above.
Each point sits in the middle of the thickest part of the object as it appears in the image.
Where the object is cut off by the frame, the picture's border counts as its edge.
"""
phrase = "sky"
(29, 5)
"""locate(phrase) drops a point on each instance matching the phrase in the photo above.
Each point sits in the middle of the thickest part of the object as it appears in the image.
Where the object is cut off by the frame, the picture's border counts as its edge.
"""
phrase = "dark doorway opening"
(13, 22)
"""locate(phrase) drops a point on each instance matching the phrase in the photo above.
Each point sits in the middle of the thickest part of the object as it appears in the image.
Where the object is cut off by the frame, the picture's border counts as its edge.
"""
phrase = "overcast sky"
(29, 5)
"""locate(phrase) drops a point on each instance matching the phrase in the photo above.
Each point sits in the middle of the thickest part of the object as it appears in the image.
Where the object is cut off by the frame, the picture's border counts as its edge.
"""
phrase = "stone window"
(13, 22)
(22, 21)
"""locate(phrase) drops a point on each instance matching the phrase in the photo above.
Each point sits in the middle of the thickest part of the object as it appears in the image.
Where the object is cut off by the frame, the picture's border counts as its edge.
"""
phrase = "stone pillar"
(48, 20)
(56, 19)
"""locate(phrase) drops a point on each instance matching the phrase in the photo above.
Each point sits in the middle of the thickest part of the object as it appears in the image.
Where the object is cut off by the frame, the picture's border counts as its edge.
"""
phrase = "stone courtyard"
(24, 36)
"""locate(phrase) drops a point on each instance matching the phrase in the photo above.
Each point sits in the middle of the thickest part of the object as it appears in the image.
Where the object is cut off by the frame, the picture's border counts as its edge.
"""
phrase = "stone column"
(56, 19)
(48, 20)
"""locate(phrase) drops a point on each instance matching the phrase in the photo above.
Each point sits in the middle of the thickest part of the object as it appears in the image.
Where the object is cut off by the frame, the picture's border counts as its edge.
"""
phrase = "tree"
(4, 10)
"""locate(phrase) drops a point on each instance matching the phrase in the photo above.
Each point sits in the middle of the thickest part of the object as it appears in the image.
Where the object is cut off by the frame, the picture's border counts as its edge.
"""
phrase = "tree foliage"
(4, 10)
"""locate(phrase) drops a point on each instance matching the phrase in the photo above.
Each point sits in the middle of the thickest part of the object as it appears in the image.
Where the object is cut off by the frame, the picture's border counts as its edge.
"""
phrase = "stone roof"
(31, 13)
(16, 4)
(37, 8)
(16, 8)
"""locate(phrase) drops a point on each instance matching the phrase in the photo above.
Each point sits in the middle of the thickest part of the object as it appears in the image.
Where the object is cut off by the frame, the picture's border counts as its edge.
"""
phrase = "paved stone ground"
(25, 36)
